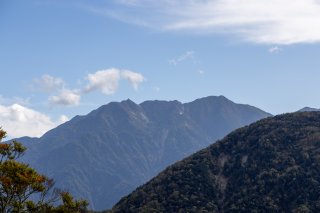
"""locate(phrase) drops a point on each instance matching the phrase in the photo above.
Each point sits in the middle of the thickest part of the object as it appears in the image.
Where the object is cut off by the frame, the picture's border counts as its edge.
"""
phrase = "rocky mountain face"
(106, 154)
(270, 166)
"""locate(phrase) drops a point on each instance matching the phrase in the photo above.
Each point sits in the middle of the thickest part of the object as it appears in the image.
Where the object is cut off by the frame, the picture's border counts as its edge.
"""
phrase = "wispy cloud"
(134, 78)
(274, 49)
(106, 81)
(48, 83)
(14, 100)
(63, 119)
(65, 98)
(201, 72)
(59, 93)
(259, 21)
(20, 121)
(189, 55)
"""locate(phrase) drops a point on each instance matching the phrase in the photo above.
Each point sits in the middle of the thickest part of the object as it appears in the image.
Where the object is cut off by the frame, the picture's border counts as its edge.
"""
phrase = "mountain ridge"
(271, 165)
(308, 109)
(129, 143)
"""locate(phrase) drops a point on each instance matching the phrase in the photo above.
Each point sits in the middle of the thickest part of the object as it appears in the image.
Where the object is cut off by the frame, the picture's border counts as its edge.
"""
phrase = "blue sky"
(62, 58)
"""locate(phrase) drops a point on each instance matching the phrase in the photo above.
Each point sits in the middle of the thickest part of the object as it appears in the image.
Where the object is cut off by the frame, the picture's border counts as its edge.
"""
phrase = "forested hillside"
(270, 166)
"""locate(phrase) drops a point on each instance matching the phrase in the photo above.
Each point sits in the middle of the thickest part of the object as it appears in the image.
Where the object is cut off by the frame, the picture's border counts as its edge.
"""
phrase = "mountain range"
(106, 154)
(270, 166)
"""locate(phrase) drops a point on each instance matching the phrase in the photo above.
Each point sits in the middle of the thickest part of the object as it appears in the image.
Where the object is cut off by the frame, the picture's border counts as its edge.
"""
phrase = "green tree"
(24, 190)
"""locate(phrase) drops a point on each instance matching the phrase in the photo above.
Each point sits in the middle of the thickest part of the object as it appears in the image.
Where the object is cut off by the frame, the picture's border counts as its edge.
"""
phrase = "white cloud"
(274, 49)
(104, 80)
(20, 121)
(260, 21)
(107, 81)
(12, 100)
(201, 72)
(63, 119)
(48, 83)
(65, 98)
(183, 57)
(134, 78)
(56, 87)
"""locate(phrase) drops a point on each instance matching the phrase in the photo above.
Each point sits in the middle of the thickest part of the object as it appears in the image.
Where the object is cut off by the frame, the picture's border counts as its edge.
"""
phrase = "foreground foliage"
(23, 189)
(270, 166)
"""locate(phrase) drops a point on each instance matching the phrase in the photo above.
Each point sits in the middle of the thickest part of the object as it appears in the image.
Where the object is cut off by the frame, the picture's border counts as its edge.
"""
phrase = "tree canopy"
(270, 166)
(24, 190)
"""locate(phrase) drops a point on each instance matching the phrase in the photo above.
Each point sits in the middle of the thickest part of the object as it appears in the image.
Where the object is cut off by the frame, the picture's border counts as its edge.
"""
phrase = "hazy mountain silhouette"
(106, 154)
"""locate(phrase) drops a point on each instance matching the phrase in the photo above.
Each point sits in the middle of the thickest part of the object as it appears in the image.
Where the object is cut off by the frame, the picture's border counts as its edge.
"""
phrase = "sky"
(62, 58)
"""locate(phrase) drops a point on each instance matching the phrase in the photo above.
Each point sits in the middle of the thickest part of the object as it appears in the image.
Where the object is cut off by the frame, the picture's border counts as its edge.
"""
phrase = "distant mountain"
(270, 166)
(109, 152)
(308, 109)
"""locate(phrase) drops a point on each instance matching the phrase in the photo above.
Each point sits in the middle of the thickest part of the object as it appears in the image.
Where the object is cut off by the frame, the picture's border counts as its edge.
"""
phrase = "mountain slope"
(109, 152)
(308, 109)
(270, 166)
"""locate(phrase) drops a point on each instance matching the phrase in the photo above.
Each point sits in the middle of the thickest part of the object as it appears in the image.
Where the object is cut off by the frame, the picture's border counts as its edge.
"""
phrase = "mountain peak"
(129, 143)
(124, 105)
(128, 101)
(213, 98)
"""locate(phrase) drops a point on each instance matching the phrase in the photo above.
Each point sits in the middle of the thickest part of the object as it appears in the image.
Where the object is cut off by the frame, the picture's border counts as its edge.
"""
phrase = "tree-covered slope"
(106, 154)
(270, 166)
(308, 109)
